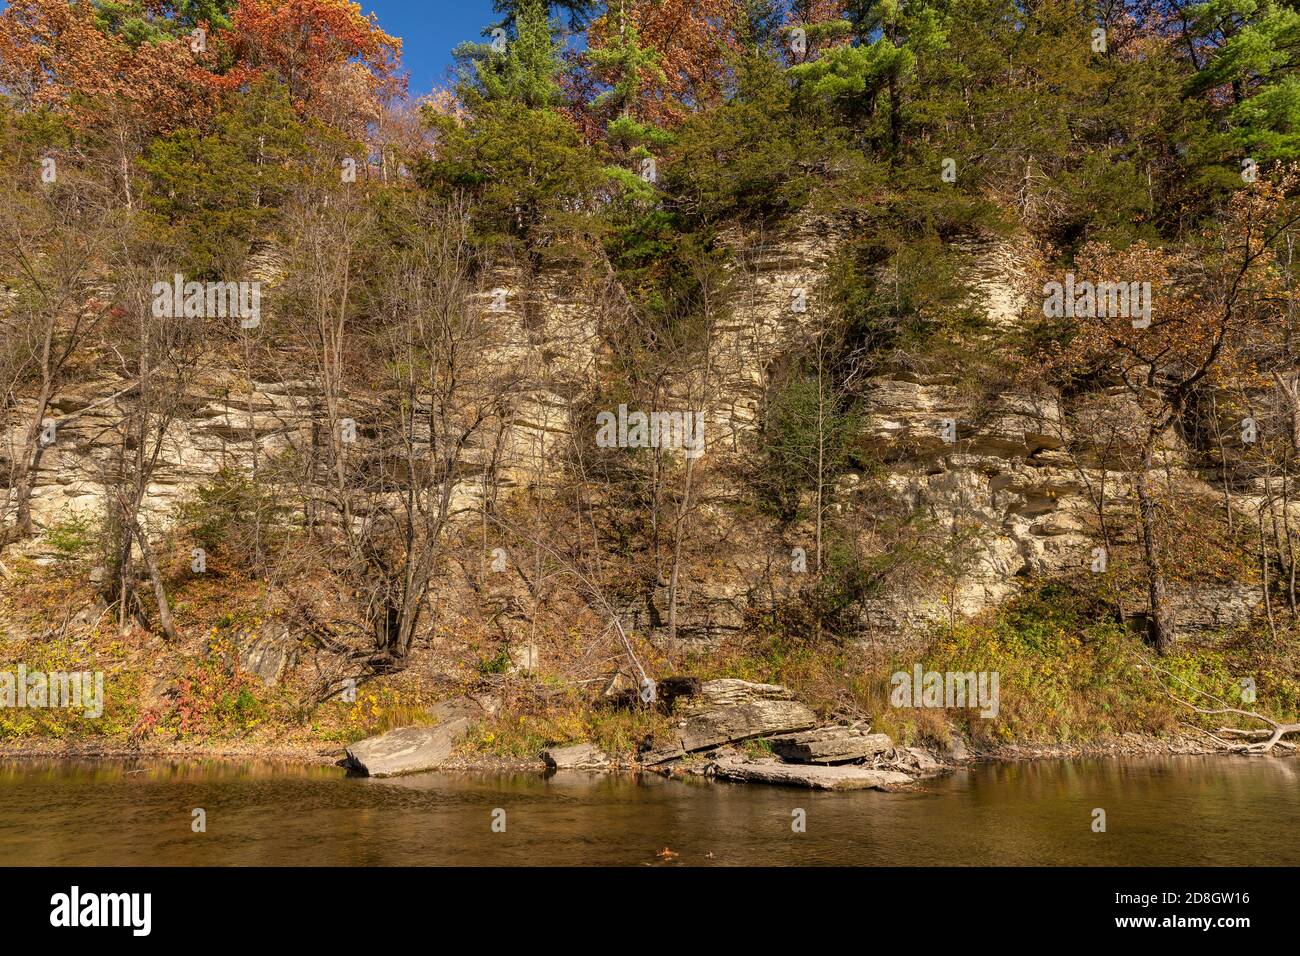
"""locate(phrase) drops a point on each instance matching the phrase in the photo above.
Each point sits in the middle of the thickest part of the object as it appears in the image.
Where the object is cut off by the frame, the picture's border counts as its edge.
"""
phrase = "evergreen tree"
(138, 22)
(525, 71)
(1256, 58)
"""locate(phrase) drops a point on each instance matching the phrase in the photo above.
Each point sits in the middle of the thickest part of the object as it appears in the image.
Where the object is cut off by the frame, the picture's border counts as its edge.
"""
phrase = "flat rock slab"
(732, 724)
(414, 749)
(830, 745)
(813, 776)
(577, 757)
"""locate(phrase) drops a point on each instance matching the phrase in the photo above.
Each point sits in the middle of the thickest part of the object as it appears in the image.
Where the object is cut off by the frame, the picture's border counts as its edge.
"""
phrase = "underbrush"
(1068, 673)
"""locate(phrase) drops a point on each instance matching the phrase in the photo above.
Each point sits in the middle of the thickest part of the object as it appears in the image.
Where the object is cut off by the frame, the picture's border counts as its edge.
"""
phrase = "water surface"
(1168, 811)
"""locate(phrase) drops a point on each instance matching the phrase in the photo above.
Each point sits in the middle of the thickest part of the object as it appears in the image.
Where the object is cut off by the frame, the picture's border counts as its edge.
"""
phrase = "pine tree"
(525, 72)
(1256, 58)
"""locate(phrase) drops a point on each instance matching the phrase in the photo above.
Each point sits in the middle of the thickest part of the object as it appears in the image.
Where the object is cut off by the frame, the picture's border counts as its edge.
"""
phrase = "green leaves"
(526, 71)
(214, 191)
(1255, 64)
(853, 72)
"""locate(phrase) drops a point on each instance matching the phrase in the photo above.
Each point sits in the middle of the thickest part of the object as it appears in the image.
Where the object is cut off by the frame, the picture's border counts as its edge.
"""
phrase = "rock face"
(729, 710)
(268, 656)
(577, 757)
(1004, 482)
(807, 775)
(413, 749)
(830, 745)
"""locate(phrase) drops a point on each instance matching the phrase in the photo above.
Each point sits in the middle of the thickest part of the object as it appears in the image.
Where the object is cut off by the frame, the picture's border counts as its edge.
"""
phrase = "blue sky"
(430, 29)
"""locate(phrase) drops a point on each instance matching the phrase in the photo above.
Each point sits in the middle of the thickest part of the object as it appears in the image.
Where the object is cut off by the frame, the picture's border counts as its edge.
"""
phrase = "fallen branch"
(1274, 736)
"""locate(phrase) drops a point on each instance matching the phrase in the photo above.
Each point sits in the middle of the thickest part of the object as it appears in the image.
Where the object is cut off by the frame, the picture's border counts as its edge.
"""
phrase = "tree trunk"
(679, 532)
(159, 592)
(1158, 622)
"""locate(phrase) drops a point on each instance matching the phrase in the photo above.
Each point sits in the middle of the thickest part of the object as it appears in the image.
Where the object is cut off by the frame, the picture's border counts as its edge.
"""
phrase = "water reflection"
(1176, 810)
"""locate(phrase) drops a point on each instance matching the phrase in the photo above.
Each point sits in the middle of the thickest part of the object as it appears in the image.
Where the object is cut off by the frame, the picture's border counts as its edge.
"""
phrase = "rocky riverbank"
(726, 729)
(734, 730)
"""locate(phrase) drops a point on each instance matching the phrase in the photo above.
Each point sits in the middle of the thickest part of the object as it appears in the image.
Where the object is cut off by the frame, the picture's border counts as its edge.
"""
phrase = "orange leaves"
(312, 46)
(692, 38)
(336, 62)
(52, 54)
(1216, 308)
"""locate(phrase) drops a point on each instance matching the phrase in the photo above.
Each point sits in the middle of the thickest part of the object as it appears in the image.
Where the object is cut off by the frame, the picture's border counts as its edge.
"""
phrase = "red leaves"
(693, 39)
(308, 44)
(326, 51)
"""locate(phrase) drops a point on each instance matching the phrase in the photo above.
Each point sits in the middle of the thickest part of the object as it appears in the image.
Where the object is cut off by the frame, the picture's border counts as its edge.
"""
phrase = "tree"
(526, 169)
(54, 241)
(889, 38)
(1254, 54)
(1212, 306)
(315, 48)
(688, 42)
(215, 192)
(526, 71)
(138, 22)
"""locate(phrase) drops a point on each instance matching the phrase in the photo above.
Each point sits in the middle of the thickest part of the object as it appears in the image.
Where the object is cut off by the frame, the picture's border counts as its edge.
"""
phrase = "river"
(1167, 811)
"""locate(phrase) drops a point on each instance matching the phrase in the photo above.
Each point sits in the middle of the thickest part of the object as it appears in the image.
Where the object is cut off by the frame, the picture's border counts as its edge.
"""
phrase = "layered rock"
(727, 711)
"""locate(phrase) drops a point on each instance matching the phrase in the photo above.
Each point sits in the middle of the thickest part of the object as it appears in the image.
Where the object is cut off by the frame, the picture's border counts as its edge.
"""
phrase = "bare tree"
(54, 240)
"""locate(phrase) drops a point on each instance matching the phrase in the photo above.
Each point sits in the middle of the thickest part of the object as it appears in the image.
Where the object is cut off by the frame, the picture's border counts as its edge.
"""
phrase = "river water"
(1168, 811)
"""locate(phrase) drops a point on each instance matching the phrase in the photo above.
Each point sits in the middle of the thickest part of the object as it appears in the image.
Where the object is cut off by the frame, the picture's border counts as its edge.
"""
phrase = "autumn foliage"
(334, 60)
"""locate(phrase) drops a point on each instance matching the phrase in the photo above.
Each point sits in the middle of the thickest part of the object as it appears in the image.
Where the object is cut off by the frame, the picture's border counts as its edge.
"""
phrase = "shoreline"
(324, 754)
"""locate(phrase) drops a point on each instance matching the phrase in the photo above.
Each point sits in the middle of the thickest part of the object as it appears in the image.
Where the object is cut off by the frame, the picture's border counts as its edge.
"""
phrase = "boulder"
(268, 655)
(911, 760)
(730, 710)
(414, 749)
(577, 757)
(830, 745)
(816, 777)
